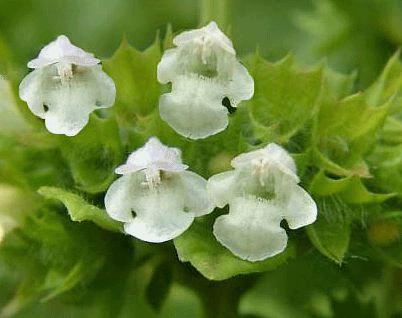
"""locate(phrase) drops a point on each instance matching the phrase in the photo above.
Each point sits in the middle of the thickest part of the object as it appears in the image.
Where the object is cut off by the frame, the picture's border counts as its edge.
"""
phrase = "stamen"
(260, 169)
(153, 177)
(65, 71)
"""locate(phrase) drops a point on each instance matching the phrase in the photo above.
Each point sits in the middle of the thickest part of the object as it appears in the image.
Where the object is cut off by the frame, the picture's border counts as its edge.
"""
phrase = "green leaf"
(323, 185)
(285, 96)
(330, 234)
(93, 154)
(386, 162)
(357, 193)
(344, 132)
(59, 283)
(388, 83)
(350, 189)
(340, 85)
(199, 247)
(158, 288)
(134, 73)
(80, 210)
(50, 255)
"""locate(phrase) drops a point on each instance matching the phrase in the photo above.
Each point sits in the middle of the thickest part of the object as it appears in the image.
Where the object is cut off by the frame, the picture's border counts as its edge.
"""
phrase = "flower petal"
(195, 191)
(209, 31)
(241, 86)
(160, 214)
(221, 188)
(61, 50)
(167, 67)
(157, 214)
(273, 155)
(300, 209)
(119, 195)
(252, 229)
(194, 107)
(66, 106)
(155, 156)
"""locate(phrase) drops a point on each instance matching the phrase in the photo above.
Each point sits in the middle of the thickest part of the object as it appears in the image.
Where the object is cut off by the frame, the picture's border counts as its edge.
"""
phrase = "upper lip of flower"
(262, 161)
(63, 51)
(207, 35)
(153, 156)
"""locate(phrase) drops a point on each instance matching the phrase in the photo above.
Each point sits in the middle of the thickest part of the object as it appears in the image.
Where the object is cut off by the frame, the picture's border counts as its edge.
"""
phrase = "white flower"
(156, 198)
(66, 86)
(261, 191)
(204, 71)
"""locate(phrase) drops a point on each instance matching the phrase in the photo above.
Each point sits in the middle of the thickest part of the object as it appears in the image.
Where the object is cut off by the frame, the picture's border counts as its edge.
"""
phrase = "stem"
(220, 299)
(214, 10)
(384, 306)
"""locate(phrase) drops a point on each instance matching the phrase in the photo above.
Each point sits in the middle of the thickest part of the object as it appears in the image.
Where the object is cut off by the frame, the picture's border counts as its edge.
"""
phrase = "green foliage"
(158, 288)
(93, 154)
(79, 210)
(285, 97)
(330, 234)
(344, 131)
(134, 74)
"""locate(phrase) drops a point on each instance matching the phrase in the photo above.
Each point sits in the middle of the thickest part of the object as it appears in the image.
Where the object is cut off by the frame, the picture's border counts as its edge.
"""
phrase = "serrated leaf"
(350, 189)
(357, 193)
(344, 132)
(388, 83)
(330, 234)
(134, 74)
(80, 210)
(50, 256)
(93, 154)
(340, 85)
(199, 247)
(323, 185)
(387, 167)
(285, 96)
(158, 288)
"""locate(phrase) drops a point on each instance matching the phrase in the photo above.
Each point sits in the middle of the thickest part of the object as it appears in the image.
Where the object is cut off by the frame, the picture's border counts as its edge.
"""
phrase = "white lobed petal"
(62, 51)
(273, 155)
(120, 194)
(241, 87)
(167, 67)
(221, 188)
(155, 156)
(194, 107)
(157, 214)
(195, 193)
(252, 229)
(298, 206)
(210, 32)
(66, 106)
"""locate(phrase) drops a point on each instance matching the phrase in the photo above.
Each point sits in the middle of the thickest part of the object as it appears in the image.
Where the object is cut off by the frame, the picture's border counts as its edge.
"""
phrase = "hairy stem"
(220, 299)
(214, 10)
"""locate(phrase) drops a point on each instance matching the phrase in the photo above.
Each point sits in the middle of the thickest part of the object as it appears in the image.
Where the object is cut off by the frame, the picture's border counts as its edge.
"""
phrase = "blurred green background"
(352, 35)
